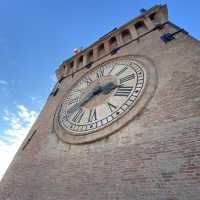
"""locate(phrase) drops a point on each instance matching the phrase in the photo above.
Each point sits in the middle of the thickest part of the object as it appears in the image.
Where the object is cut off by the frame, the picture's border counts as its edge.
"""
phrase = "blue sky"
(36, 36)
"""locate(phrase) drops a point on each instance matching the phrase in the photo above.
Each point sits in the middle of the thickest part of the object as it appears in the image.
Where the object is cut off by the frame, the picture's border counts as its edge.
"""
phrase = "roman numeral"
(127, 78)
(78, 116)
(73, 109)
(123, 91)
(100, 72)
(112, 69)
(87, 80)
(92, 115)
(74, 100)
(111, 106)
(121, 71)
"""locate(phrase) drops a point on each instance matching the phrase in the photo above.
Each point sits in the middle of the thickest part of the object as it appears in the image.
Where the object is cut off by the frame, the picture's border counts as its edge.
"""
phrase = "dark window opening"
(80, 61)
(154, 18)
(113, 43)
(126, 35)
(140, 27)
(71, 65)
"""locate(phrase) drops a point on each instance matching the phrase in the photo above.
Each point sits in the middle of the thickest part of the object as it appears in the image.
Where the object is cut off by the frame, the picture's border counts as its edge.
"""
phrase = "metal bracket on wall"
(89, 65)
(167, 37)
(159, 26)
(114, 51)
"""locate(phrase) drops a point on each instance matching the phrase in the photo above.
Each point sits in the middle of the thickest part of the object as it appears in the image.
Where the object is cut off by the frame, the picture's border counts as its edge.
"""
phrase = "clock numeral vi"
(92, 115)
(123, 91)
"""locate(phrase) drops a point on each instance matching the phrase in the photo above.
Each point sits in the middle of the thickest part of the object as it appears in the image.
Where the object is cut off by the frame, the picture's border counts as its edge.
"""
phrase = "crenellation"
(106, 46)
(79, 62)
(162, 14)
(140, 27)
(126, 33)
(101, 50)
(85, 61)
(150, 24)
(119, 39)
(133, 32)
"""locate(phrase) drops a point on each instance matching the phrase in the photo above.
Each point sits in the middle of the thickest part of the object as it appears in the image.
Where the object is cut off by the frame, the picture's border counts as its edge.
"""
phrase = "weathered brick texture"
(154, 157)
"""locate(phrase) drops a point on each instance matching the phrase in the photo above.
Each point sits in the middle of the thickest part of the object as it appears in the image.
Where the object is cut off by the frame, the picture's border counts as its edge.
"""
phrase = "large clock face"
(102, 96)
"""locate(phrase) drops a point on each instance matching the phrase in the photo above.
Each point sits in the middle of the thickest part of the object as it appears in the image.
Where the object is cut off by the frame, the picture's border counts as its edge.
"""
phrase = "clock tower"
(122, 122)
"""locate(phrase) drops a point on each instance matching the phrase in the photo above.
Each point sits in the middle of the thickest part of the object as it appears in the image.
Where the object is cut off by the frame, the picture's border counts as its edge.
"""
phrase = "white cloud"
(11, 139)
(2, 82)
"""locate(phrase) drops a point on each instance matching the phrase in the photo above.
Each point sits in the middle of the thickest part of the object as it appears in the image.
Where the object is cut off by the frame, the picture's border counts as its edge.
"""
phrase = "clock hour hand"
(105, 89)
(84, 100)
(97, 90)
(108, 87)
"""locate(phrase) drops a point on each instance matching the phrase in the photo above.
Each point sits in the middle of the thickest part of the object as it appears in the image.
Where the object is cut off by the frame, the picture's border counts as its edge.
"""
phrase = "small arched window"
(113, 43)
(126, 35)
(140, 27)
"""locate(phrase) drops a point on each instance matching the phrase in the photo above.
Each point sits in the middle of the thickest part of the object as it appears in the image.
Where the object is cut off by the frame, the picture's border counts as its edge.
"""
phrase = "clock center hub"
(101, 91)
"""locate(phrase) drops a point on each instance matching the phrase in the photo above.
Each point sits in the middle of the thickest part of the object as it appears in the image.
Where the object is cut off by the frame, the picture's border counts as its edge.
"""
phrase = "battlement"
(111, 42)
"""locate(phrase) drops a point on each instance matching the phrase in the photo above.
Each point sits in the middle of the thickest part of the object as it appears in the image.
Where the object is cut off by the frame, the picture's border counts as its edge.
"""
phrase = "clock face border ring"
(141, 102)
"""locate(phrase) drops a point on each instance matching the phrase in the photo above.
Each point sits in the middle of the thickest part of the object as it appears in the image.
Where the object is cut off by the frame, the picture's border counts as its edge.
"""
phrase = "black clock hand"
(84, 100)
(97, 90)
(108, 87)
(105, 89)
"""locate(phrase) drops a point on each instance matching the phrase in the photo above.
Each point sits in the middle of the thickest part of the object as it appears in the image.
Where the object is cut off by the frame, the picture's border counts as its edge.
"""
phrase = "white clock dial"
(102, 96)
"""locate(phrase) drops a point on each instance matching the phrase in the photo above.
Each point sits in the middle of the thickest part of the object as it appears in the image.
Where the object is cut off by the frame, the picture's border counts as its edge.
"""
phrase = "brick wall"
(155, 157)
